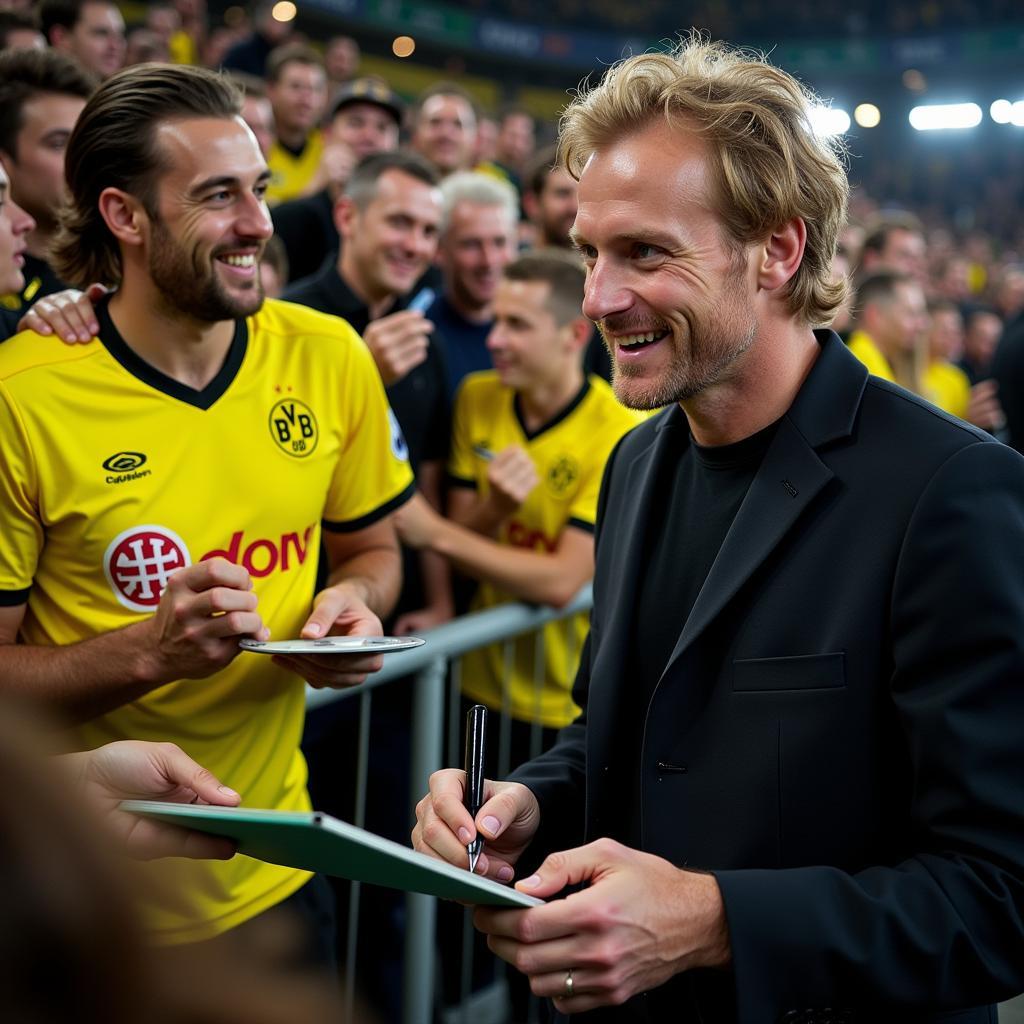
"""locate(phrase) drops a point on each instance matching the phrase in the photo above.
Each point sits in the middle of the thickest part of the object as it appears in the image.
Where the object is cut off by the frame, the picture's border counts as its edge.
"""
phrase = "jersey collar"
(564, 412)
(131, 361)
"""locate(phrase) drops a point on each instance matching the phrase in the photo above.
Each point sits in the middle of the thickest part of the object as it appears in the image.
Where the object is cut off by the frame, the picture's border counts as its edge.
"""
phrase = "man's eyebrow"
(649, 236)
(224, 181)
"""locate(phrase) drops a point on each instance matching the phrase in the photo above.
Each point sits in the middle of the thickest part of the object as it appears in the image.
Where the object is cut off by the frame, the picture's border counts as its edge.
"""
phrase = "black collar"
(565, 411)
(150, 375)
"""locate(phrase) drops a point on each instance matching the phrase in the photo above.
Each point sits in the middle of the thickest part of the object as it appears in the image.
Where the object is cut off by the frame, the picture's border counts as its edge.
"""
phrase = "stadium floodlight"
(867, 115)
(1001, 111)
(940, 116)
(829, 120)
(284, 10)
(1017, 114)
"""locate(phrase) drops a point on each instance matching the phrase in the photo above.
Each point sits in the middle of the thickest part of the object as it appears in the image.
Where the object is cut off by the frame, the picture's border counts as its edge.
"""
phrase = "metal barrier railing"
(428, 666)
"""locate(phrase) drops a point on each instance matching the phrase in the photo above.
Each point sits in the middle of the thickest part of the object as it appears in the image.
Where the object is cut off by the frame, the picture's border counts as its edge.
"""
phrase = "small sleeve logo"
(399, 448)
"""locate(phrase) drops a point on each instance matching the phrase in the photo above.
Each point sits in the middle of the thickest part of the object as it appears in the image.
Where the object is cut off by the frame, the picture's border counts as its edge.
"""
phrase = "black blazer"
(839, 733)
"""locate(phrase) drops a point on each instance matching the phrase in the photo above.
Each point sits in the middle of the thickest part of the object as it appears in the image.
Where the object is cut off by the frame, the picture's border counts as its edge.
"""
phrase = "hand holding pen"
(475, 757)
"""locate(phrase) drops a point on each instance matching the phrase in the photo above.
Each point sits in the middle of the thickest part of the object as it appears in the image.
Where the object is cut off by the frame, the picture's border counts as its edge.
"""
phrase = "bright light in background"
(938, 116)
(867, 115)
(284, 10)
(1017, 114)
(403, 46)
(829, 120)
(1001, 111)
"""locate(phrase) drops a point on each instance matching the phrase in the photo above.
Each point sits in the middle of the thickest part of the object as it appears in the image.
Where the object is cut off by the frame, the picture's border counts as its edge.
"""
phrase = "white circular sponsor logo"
(139, 562)
(399, 448)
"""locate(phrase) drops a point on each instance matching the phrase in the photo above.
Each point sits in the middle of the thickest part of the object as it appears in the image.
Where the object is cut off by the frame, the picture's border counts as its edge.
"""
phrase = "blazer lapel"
(790, 477)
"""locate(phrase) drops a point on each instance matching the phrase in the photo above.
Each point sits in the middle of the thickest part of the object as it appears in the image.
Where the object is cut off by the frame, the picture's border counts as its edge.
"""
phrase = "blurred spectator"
(444, 128)
(163, 20)
(952, 280)
(513, 147)
(486, 148)
(982, 327)
(891, 321)
(145, 47)
(366, 119)
(388, 218)
(41, 95)
(15, 224)
(216, 45)
(91, 31)
(257, 112)
(549, 199)
(273, 268)
(341, 61)
(297, 90)
(251, 53)
(187, 41)
(20, 31)
(896, 242)
(1008, 292)
(944, 383)
(478, 240)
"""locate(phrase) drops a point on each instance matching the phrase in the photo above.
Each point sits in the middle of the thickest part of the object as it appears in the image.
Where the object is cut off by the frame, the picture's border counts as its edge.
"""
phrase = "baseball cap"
(369, 90)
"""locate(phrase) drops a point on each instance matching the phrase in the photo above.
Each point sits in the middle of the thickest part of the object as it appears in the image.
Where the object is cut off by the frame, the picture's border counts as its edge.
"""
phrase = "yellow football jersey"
(291, 175)
(864, 348)
(115, 475)
(570, 453)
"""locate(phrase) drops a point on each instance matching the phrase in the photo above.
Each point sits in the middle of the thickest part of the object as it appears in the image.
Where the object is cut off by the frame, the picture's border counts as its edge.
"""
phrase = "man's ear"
(781, 254)
(579, 331)
(345, 213)
(124, 216)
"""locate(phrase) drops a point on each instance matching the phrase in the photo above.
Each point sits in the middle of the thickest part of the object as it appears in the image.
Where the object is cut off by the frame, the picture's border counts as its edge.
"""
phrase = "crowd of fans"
(441, 233)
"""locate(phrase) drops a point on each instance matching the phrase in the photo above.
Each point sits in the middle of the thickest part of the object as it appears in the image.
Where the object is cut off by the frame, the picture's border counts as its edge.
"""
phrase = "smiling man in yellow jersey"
(529, 445)
(164, 486)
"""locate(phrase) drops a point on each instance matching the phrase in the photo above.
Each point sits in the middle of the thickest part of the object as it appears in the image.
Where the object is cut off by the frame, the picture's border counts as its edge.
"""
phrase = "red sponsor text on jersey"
(262, 556)
(522, 536)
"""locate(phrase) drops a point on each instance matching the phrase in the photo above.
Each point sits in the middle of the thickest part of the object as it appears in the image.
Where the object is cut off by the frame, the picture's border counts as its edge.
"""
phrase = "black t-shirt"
(307, 230)
(695, 502)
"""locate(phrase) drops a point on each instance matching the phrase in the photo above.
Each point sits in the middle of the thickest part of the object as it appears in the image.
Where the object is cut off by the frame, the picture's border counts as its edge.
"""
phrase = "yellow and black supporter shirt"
(115, 475)
(569, 453)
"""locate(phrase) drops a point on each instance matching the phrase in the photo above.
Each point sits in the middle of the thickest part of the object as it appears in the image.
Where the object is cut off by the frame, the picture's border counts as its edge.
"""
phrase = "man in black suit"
(798, 768)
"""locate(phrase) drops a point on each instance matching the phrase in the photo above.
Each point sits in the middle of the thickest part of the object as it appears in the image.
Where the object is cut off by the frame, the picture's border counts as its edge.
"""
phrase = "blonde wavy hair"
(771, 164)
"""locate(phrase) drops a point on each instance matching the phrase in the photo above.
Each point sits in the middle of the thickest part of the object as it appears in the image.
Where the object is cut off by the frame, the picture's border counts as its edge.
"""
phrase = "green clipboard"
(318, 842)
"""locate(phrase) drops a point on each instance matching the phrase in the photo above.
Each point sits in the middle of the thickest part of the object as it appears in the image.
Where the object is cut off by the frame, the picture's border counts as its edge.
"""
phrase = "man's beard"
(190, 285)
(700, 360)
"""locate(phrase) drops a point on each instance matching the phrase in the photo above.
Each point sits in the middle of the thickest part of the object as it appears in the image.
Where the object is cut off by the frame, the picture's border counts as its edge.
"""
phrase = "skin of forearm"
(528, 575)
(374, 575)
(481, 517)
(82, 680)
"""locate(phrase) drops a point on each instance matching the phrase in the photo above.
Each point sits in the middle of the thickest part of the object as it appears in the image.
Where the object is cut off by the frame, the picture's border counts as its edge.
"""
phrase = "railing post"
(421, 911)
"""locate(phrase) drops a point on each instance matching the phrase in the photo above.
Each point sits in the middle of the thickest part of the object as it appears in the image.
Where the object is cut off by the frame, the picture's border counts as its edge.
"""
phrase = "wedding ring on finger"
(568, 982)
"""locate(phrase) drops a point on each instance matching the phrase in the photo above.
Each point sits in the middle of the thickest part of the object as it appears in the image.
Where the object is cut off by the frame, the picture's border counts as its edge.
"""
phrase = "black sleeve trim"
(351, 525)
(12, 598)
(581, 524)
(461, 481)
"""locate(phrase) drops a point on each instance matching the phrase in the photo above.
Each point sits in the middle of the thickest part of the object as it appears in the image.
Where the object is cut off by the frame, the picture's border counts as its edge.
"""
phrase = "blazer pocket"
(803, 672)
